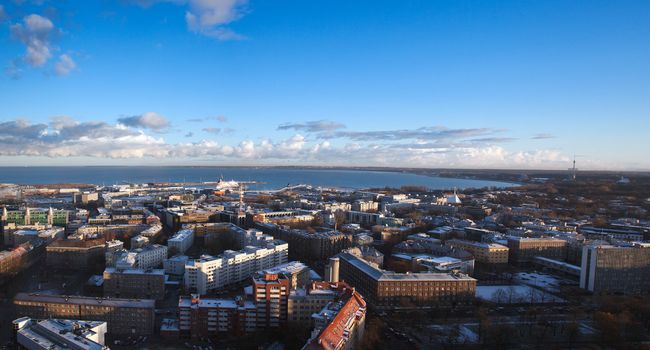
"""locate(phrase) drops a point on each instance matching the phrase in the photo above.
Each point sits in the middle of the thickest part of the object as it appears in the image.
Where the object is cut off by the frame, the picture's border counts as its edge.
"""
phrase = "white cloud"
(209, 17)
(66, 137)
(35, 32)
(149, 120)
(65, 65)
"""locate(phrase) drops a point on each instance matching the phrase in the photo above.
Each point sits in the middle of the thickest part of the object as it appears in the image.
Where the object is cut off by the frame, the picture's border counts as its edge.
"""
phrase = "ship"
(227, 185)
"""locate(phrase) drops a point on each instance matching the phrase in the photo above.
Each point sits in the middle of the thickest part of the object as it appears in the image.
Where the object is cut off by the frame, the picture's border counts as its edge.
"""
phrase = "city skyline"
(395, 84)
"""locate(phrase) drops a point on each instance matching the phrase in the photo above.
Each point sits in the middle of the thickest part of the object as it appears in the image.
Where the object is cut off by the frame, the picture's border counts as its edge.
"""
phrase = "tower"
(332, 269)
(573, 170)
(50, 216)
(28, 216)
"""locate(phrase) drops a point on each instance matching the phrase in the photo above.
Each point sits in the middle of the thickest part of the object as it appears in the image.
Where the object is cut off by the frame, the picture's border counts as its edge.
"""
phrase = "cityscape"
(340, 175)
(559, 260)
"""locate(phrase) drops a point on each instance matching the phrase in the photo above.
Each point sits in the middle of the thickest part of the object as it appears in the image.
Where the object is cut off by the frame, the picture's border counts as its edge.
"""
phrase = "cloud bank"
(66, 137)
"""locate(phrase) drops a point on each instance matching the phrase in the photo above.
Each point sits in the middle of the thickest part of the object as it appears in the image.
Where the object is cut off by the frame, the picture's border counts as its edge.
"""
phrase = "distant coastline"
(514, 177)
(275, 176)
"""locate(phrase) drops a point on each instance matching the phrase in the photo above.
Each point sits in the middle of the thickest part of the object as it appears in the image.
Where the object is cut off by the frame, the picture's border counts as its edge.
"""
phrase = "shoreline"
(62, 182)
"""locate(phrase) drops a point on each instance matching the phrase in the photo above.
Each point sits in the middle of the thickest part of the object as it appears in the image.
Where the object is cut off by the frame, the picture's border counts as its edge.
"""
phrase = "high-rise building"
(296, 272)
(608, 269)
(270, 294)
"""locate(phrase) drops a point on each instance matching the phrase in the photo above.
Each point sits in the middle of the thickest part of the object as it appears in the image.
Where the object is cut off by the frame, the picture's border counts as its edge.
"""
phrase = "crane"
(242, 189)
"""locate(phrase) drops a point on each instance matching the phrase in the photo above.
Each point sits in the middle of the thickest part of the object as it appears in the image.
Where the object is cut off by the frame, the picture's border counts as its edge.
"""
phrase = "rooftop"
(383, 275)
(62, 334)
(79, 300)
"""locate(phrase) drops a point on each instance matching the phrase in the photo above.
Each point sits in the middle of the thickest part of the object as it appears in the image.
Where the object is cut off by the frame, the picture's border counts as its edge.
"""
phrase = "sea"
(269, 177)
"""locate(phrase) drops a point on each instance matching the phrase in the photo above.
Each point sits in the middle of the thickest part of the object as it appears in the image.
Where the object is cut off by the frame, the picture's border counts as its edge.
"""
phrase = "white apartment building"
(208, 272)
(364, 205)
(142, 258)
(181, 241)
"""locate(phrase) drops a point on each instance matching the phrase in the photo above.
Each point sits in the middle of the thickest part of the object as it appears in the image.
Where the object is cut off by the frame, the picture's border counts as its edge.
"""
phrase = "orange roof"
(333, 336)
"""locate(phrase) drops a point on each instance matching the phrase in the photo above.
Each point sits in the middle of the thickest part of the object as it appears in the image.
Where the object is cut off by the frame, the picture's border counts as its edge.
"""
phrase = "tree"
(500, 296)
(608, 327)
(317, 220)
(416, 216)
(484, 325)
(372, 334)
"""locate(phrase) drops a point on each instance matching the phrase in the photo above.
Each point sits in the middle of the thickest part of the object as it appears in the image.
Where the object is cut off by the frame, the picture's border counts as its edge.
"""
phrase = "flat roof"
(135, 271)
(382, 275)
(64, 299)
(478, 244)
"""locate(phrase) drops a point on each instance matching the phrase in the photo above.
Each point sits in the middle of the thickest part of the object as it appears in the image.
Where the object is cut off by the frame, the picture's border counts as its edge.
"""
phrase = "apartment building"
(210, 273)
(364, 205)
(486, 253)
(304, 302)
(134, 283)
(19, 258)
(296, 272)
(181, 241)
(317, 246)
(59, 334)
(175, 265)
(31, 216)
(110, 232)
(139, 241)
(387, 289)
(271, 294)
(124, 316)
(340, 324)
(148, 257)
(75, 254)
(208, 317)
(524, 249)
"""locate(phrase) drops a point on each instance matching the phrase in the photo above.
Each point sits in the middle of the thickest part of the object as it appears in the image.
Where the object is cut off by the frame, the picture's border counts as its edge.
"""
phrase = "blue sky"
(485, 84)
